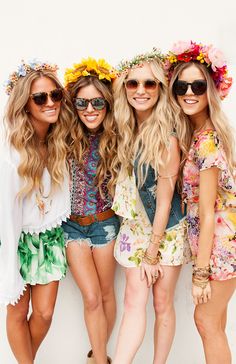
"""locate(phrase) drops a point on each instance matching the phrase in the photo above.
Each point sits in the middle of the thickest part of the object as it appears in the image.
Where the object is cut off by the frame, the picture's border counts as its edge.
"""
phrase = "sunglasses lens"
(98, 103)
(180, 87)
(40, 98)
(150, 84)
(81, 104)
(199, 87)
(131, 84)
(56, 95)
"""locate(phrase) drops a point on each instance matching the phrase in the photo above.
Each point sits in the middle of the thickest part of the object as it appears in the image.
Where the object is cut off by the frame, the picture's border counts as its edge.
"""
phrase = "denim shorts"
(99, 233)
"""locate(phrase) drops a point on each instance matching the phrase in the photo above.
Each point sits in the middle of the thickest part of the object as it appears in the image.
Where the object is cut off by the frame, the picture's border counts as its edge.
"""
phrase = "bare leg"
(106, 275)
(164, 330)
(18, 329)
(134, 318)
(210, 320)
(43, 299)
(83, 269)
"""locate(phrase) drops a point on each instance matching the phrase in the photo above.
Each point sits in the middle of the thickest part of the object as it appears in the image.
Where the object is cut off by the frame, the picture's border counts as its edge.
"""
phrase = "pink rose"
(181, 47)
(216, 57)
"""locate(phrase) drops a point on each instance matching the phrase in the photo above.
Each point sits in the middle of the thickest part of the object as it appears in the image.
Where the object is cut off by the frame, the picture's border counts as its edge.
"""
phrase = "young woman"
(151, 242)
(93, 226)
(34, 195)
(198, 79)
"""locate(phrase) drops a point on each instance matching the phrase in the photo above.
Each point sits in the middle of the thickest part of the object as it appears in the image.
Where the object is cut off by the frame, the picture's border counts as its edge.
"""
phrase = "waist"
(90, 219)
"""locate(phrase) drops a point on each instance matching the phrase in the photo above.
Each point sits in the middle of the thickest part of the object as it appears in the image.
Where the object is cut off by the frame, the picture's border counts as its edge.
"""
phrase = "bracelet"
(149, 259)
(200, 283)
(201, 273)
(155, 238)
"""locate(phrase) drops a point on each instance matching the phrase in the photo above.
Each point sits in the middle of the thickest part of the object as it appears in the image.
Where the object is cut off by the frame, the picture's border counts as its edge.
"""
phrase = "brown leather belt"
(89, 219)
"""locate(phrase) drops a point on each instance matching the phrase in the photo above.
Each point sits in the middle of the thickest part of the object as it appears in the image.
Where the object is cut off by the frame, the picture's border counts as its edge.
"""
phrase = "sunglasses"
(41, 98)
(198, 87)
(98, 103)
(149, 85)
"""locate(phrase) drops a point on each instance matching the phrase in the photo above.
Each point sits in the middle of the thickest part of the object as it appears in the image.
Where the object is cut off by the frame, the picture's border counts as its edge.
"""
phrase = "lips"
(141, 100)
(50, 112)
(190, 101)
(91, 118)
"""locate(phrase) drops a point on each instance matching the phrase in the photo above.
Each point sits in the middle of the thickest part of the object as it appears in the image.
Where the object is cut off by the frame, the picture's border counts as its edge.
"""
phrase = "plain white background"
(65, 31)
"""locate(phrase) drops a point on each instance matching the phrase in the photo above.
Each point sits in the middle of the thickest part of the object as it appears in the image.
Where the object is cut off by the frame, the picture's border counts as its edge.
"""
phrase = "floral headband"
(213, 58)
(24, 69)
(90, 67)
(137, 61)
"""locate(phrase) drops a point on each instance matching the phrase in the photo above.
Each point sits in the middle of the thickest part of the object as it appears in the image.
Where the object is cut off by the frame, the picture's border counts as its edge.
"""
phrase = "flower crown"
(137, 61)
(24, 69)
(90, 67)
(212, 57)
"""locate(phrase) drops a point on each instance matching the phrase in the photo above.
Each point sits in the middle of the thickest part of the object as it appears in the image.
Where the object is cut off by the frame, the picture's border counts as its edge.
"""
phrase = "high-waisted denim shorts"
(97, 234)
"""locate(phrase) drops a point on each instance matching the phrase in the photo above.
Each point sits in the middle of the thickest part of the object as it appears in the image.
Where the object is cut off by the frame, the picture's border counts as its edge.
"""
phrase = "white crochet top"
(34, 214)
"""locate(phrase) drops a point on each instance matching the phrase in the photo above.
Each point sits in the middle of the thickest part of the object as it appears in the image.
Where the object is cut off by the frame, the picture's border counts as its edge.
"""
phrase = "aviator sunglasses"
(198, 87)
(41, 98)
(149, 85)
(98, 103)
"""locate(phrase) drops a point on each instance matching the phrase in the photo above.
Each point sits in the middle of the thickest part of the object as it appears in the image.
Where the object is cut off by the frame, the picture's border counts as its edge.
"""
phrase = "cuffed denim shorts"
(97, 234)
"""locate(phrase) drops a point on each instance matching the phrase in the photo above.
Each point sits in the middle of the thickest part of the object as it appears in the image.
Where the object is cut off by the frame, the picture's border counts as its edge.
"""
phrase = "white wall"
(65, 31)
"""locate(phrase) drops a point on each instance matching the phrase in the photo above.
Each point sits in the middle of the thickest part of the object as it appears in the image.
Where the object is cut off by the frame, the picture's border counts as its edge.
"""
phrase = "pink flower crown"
(212, 57)
(25, 68)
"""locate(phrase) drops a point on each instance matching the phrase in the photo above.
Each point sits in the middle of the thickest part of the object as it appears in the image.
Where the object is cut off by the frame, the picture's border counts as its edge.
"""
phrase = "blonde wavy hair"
(107, 169)
(152, 140)
(219, 120)
(21, 135)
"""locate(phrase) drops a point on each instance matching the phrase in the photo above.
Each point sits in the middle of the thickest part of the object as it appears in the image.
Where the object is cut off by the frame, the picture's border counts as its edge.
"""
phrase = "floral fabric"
(207, 152)
(136, 229)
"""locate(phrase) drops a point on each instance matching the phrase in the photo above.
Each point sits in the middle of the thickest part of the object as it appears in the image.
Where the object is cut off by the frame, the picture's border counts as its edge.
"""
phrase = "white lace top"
(34, 214)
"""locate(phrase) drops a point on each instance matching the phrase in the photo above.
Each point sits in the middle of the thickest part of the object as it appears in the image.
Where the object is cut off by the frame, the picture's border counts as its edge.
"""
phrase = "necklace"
(201, 127)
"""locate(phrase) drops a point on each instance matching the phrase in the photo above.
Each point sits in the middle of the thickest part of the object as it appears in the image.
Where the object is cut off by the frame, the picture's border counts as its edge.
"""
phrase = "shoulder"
(207, 141)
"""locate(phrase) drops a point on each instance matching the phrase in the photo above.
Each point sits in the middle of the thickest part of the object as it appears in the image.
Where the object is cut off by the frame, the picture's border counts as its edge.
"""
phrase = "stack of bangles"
(150, 259)
(201, 276)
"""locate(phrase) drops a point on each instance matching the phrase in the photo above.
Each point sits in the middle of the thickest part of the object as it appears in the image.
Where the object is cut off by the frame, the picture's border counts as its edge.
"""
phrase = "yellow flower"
(172, 59)
(89, 67)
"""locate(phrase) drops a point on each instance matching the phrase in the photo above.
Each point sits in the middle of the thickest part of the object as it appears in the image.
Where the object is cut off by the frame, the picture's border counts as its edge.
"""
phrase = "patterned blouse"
(85, 196)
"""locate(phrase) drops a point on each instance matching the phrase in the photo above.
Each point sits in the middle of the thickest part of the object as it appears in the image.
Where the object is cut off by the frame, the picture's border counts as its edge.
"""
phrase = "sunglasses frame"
(46, 95)
(90, 101)
(144, 84)
(191, 84)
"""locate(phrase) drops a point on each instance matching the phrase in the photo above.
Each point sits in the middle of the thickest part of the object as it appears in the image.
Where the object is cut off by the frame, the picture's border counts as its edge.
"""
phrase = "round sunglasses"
(41, 98)
(98, 103)
(198, 87)
(133, 84)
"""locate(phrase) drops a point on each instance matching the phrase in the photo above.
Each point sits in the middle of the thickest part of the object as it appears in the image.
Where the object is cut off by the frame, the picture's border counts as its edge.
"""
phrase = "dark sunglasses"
(198, 87)
(41, 98)
(98, 103)
(149, 85)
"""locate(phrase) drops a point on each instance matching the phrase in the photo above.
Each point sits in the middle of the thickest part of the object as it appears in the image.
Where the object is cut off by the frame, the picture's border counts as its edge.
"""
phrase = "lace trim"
(47, 226)
(6, 300)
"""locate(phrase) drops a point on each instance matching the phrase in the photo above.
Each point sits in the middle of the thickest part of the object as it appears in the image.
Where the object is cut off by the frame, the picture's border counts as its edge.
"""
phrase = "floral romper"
(206, 152)
(135, 231)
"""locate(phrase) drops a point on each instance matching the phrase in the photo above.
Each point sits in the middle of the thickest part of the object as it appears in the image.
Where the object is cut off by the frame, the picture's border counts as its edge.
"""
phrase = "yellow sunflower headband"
(90, 67)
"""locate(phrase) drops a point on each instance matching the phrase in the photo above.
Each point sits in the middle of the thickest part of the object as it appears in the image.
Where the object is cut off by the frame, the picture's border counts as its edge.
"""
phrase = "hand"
(201, 295)
(151, 271)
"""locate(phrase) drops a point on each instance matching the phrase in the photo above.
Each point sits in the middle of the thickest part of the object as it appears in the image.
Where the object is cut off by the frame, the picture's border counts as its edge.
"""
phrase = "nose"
(140, 88)
(189, 90)
(49, 101)
(90, 107)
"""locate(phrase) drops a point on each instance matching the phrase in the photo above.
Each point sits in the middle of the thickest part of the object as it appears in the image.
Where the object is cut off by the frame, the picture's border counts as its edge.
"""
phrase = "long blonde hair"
(218, 118)
(21, 135)
(153, 138)
(107, 166)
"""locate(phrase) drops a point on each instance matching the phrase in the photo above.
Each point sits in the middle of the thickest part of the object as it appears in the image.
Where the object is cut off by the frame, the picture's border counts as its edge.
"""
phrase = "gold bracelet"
(156, 238)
